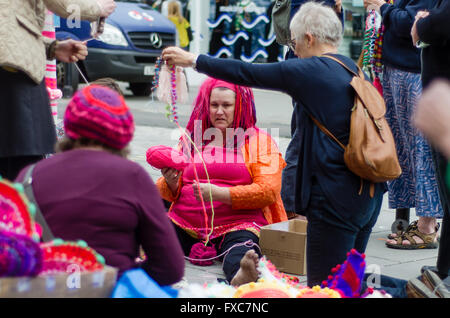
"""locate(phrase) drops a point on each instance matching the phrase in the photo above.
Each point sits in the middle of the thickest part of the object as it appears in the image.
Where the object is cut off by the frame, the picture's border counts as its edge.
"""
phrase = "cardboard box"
(284, 244)
(98, 284)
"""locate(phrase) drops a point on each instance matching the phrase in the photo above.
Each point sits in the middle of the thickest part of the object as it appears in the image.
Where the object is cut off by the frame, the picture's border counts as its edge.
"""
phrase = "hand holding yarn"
(70, 51)
(172, 176)
(207, 191)
(176, 56)
(211, 192)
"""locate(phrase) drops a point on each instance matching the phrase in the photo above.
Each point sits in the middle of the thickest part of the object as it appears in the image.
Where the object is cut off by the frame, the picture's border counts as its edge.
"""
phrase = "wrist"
(194, 61)
(51, 50)
(172, 187)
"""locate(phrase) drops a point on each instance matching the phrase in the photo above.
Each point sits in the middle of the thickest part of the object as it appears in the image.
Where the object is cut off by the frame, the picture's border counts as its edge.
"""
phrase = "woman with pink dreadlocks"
(239, 171)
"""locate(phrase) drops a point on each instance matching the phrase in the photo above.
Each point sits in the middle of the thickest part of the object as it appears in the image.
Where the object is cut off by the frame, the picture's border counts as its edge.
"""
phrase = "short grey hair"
(319, 20)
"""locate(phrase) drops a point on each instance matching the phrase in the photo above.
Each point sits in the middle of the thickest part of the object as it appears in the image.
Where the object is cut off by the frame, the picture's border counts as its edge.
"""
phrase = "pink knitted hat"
(99, 113)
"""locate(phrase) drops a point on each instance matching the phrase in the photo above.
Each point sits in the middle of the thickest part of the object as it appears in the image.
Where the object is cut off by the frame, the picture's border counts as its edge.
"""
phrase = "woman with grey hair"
(340, 217)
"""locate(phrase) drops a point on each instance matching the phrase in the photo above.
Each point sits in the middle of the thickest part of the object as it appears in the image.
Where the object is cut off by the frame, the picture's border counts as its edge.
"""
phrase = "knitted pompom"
(166, 157)
(202, 255)
(377, 84)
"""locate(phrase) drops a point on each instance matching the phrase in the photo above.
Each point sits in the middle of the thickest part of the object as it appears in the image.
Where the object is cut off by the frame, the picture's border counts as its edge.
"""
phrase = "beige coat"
(22, 46)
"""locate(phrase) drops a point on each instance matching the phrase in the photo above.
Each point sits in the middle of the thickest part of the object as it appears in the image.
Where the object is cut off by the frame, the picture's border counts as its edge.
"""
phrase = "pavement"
(153, 128)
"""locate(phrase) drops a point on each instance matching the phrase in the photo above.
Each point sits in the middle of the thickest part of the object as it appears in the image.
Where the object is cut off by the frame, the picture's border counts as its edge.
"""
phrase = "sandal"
(397, 234)
(429, 240)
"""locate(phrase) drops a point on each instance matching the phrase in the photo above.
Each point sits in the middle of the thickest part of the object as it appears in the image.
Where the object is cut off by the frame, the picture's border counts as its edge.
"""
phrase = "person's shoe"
(416, 289)
(435, 284)
(428, 267)
(410, 235)
(433, 269)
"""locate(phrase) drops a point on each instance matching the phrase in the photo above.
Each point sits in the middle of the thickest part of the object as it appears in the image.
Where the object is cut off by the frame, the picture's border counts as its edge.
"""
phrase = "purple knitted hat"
(99, 113)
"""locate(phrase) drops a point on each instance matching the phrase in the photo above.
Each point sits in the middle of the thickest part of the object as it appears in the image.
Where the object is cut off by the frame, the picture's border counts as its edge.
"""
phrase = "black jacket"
(398, 49)
(435, 30)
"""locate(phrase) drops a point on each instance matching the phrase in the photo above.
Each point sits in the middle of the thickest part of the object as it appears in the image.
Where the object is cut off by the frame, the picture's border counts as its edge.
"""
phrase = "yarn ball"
(201, 255)
(166, 157)
(99, 113)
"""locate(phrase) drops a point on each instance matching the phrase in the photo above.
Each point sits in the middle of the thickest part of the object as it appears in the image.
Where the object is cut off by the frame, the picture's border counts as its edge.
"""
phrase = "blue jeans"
(393, 286)
(330, 238)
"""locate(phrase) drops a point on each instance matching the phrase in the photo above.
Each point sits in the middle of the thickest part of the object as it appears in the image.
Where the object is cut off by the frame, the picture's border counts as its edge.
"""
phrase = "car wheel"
(141, 89)
(67, 78)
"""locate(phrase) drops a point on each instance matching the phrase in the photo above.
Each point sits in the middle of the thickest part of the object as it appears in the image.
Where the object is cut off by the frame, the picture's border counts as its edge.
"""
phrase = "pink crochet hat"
(99, 113)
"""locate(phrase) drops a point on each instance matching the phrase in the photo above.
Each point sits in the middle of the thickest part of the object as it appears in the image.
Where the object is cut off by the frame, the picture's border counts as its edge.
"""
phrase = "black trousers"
(443, 261)
(231, 261)
(11, 166)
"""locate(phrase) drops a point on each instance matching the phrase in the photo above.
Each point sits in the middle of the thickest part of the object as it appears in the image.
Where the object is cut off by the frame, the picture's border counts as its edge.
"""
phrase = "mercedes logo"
(155, 40)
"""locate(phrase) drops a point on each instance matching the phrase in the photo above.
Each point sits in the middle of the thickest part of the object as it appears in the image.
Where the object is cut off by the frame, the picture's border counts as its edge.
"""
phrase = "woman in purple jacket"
(90, 191)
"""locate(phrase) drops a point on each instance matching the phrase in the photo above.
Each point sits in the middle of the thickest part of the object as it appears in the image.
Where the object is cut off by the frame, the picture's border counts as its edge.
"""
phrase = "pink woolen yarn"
(165, 85)
(201, 255)
(161, 157)
(99, 113)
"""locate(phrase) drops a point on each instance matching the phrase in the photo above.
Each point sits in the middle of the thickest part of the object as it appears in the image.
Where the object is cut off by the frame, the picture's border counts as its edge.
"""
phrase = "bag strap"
(322, 127)
(326, 131)
(47, 234)
(360, 73)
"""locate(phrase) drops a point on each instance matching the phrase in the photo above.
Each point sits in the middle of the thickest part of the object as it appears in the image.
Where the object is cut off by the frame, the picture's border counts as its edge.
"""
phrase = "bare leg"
(248, 271)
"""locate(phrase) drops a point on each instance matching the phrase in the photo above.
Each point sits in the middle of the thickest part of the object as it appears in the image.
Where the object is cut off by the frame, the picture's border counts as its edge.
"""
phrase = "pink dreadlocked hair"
(244, 114)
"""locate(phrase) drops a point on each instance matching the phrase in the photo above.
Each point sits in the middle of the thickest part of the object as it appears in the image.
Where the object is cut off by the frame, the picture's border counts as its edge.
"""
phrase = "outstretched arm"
(265, 76)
